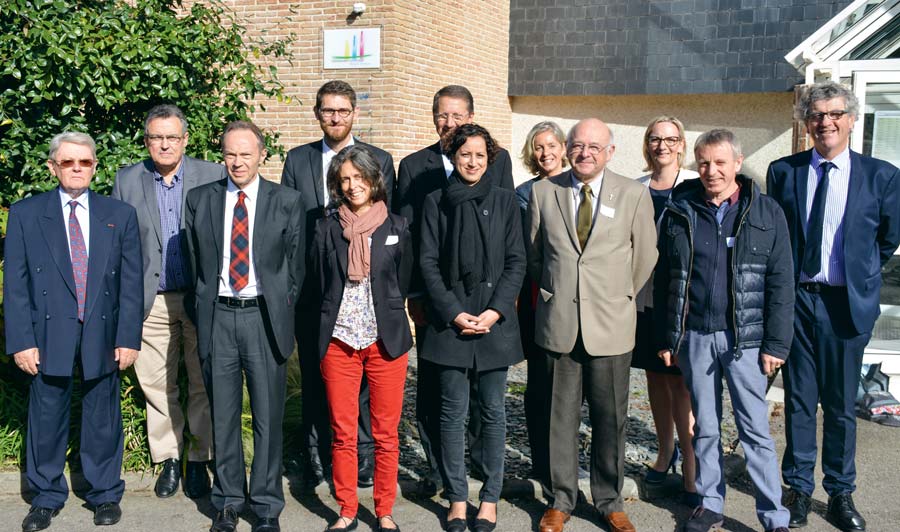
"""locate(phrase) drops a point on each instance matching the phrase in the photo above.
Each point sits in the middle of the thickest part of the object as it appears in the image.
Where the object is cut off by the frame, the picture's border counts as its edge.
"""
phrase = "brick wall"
(426, 44)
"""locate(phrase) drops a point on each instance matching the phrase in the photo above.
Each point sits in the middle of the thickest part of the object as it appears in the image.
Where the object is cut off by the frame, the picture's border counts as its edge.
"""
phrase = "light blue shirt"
(82, 213)
(832, 252)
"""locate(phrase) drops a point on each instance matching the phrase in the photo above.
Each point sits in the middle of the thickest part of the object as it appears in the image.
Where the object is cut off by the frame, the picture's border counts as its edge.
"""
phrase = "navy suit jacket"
(871, 224)
(40, 305)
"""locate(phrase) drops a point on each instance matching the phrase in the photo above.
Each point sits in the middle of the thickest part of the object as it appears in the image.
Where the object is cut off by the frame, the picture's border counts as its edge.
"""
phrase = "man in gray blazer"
(157, 188)
(591, 247)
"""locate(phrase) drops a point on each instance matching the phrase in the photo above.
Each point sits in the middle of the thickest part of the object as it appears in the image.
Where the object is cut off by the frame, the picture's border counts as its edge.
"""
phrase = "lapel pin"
(110, 225)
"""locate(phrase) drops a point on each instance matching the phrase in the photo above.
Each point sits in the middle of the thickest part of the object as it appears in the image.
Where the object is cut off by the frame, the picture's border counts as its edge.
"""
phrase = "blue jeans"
(704, 360)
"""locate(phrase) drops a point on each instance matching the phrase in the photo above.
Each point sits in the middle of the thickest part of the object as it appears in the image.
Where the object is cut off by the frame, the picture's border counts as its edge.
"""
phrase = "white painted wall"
(762, 123)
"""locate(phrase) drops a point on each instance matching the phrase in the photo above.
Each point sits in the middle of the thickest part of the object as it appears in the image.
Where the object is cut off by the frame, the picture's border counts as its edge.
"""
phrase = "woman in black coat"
(472, 259)
(363, 259)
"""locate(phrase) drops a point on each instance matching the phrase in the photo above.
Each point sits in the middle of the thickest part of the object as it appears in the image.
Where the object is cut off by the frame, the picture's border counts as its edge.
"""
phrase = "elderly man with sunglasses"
(73, 302)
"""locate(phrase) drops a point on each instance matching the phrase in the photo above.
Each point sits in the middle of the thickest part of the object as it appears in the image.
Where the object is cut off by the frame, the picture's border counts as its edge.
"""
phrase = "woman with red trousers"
(363, 258)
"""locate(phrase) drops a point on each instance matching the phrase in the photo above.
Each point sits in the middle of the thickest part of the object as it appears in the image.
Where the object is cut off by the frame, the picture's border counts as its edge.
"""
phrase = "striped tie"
(239, 268)
(79, 258)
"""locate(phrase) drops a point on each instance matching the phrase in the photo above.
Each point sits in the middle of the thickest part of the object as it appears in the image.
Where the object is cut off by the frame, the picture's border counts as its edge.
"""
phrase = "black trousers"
(824, 366)
(240, 348)
(428, 417)
(455, 386)
(604, 382)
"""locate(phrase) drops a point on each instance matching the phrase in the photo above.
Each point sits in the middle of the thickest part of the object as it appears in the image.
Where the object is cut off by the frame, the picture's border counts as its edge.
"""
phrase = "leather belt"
(237, 302)
(819, 288)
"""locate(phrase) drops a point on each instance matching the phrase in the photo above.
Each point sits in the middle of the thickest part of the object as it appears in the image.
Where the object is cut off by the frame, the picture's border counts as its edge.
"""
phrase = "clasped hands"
(481, 324)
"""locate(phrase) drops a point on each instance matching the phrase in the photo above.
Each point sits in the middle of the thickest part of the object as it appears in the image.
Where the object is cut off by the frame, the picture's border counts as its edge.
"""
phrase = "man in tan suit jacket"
(591, 247)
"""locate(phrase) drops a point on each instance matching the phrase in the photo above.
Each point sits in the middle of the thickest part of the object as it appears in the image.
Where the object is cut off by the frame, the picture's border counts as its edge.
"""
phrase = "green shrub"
(97, 66)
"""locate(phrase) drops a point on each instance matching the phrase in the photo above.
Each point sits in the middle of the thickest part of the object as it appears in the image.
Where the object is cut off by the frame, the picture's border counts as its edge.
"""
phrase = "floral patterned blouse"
(356, 325)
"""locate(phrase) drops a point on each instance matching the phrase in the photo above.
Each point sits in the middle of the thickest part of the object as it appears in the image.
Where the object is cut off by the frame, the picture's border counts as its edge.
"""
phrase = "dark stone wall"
(585, 47)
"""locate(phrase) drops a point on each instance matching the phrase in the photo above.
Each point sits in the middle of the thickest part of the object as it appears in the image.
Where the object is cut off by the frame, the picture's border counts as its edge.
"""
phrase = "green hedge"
(97, 66)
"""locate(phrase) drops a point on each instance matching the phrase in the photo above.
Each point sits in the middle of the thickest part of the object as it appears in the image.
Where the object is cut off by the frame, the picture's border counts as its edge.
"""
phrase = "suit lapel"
(436, 172)
(379, 238)
(854, 190)
(563, 191)
(263, 201)
(190, 181)
(99, 248)
(53, 227)
(315, 166)
(341, 248)
(801, 176)
(609, 194)
(148, 183)
(217, 217)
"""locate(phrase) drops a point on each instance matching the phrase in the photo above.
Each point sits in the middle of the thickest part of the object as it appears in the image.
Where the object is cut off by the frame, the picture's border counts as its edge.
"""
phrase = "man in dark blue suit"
(73, 298)
(837, 265)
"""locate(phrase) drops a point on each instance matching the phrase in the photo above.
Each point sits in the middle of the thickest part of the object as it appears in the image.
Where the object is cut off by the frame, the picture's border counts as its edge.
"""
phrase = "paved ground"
(878, 472)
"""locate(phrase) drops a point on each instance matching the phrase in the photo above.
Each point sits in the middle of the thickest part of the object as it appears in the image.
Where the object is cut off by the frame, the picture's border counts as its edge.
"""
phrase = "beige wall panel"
(762, 122)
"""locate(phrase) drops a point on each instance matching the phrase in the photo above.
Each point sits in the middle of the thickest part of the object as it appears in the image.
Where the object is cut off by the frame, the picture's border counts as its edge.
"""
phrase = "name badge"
(609, 212)
(729, 241)
(391, 240)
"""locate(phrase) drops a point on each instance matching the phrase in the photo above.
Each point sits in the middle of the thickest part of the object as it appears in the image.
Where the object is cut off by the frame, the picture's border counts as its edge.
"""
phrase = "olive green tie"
(585, 214)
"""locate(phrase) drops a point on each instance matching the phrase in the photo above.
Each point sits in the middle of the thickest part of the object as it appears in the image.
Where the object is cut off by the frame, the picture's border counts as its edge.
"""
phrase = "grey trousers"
(240, 348)
(704, 360)
(605, 384)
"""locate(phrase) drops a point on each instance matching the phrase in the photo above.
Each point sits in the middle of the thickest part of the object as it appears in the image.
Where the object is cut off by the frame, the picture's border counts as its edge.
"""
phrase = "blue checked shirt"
(168, 200)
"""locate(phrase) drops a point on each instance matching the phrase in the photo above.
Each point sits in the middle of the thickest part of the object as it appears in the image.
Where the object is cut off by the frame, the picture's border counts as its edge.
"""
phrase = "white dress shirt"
(327, 155)
(832, 253)
(448, 164)
(82, 214)
(253, 288)
(595, 184)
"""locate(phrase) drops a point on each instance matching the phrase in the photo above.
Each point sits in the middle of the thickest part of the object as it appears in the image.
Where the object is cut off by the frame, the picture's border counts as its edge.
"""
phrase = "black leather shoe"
(226, 520)
(842, 513)
(483, 525)
(169, 477)
(379, 528)
(107, 513)
(366, 471)
(38, 518)
(196, 479)
(703, 520)
(267, 524)
(456, 525)
(427, 487)
(350, 525)
(798, 503)
(313, 472)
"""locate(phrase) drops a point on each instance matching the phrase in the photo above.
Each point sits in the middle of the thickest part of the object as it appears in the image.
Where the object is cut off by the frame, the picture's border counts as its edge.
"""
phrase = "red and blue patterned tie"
(79, 258)
(239, 268)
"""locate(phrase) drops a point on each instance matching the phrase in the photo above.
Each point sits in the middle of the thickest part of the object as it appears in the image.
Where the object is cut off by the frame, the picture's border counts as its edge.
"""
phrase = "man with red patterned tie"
(246, 241)
(73, 303)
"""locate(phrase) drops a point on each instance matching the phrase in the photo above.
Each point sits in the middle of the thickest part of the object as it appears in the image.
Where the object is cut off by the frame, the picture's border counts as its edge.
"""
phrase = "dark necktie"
(239, 268)
(812, 251)
(79, 258)
(585, 215)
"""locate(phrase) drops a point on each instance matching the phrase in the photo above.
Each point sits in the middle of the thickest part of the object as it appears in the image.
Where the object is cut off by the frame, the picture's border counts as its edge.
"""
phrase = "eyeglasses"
(328, 113)
(157, 139)
(69, 163)
(457, 117)
(593, 149)
(670, 141)
(833, 115)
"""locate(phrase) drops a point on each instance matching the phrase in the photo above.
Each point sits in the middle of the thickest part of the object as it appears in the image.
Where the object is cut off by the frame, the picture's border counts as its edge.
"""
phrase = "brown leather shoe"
(553, 520)
(618, 522)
